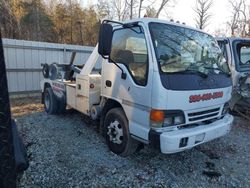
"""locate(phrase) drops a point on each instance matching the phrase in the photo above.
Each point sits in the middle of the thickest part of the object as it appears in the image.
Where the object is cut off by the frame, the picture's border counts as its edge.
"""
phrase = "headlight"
(225, 109)
(173, 117)
(168, 121)
(179, 120)
(160, 118)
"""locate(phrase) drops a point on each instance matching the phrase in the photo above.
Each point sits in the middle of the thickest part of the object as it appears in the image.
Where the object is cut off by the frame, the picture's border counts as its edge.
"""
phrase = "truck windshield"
(179, 49)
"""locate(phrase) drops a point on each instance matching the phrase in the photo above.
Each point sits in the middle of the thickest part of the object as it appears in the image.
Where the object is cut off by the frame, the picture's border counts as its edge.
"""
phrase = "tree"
(61, 22)
(104, 9)
(150, 12)
(140, 8)
(153, 10)
(69, 23)
(120, 9)
(51, 21)
(51, 6)
(238, 20)
(17, 9)
(91, 27)
(131, 5)
(36, 24)
(66, 21)
(163, 4)
(220, 32)
(9, 23)
(203, 14)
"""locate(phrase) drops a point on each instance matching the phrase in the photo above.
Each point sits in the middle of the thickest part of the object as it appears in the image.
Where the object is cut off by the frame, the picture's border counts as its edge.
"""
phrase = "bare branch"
(238, 20)
(162, 6)
(140, 8)
(203, 14)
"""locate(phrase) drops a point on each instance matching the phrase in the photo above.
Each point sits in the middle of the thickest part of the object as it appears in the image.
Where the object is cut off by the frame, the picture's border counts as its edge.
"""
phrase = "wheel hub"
(115, 132)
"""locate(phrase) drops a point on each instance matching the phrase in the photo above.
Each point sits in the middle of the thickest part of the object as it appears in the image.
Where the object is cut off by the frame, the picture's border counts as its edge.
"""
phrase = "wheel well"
(108, 106)
(46, 85)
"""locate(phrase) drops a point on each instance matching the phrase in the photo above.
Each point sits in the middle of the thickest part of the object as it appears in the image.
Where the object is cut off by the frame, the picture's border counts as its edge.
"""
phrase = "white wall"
(23, 61)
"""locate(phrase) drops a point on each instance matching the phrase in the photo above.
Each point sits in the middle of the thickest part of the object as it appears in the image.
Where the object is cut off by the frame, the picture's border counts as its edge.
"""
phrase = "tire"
(117, 133)
(50, 101)
(45, 70)
(53, 71)
(61, 105)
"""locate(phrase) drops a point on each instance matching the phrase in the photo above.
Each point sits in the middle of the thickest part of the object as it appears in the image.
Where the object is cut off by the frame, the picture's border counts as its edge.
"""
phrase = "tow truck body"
(152, 89)
(237, 53)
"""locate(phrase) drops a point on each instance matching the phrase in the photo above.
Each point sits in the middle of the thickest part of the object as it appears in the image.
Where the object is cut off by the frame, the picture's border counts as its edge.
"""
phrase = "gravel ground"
(65, 151)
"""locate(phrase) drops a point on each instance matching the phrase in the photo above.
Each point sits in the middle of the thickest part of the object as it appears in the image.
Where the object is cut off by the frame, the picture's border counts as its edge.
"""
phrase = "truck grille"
(203, 115)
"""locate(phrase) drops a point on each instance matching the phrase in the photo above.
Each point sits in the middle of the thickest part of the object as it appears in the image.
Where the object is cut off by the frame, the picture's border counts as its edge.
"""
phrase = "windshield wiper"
(218, 69)
(190, 71)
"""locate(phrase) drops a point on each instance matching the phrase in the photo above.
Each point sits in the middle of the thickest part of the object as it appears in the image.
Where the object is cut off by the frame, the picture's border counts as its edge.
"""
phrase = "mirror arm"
(111, 21)
(123, 75)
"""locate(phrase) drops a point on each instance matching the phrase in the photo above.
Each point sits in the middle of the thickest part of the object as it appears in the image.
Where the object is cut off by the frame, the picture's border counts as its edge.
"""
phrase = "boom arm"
(92, 60)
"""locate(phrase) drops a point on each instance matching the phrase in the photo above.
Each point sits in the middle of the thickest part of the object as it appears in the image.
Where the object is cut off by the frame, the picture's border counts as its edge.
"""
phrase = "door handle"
(79, 87)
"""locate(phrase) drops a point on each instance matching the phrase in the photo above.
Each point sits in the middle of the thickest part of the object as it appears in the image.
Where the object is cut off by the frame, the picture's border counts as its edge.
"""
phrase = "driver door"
(130, 51)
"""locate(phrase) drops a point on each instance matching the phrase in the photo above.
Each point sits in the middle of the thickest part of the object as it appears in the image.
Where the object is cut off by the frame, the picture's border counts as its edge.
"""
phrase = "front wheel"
(117, 133)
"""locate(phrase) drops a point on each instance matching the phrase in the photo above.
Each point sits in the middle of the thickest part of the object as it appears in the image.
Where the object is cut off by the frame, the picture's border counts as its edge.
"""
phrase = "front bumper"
(186, 138)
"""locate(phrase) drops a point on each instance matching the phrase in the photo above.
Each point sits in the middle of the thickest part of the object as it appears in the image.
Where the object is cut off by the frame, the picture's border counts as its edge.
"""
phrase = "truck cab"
(162, 83)
(237, 53)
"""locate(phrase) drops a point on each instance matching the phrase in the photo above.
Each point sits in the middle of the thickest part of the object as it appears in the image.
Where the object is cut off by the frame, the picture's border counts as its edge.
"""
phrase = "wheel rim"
(47, 101)
(115, 132)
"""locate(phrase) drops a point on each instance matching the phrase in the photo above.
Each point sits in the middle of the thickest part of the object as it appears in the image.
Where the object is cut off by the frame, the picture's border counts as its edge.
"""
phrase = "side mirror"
(105, 39)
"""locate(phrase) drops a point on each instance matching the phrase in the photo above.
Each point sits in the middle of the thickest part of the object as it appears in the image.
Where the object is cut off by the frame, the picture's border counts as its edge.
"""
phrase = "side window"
(129, 48)
(244, 55)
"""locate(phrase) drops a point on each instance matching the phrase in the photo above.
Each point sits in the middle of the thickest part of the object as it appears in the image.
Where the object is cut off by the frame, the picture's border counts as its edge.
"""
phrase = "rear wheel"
(50, 101)
(61, 105)
(117, 133)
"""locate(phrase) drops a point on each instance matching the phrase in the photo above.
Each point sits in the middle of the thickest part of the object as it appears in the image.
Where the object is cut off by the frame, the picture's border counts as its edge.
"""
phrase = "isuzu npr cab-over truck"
(161, 83)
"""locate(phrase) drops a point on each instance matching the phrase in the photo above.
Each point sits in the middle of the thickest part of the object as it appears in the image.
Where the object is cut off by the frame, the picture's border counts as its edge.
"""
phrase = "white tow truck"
(161, 83)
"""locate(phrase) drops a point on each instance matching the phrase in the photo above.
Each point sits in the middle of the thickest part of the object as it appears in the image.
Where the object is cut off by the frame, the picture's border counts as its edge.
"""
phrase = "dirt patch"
(25, 106)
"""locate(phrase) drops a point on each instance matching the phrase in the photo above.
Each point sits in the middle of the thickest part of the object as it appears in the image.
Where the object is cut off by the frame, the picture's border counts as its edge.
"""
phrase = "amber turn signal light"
(157, 115)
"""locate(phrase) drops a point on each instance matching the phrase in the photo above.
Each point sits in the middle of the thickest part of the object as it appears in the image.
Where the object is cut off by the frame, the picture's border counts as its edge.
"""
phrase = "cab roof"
(146, 21)
(231, 39)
